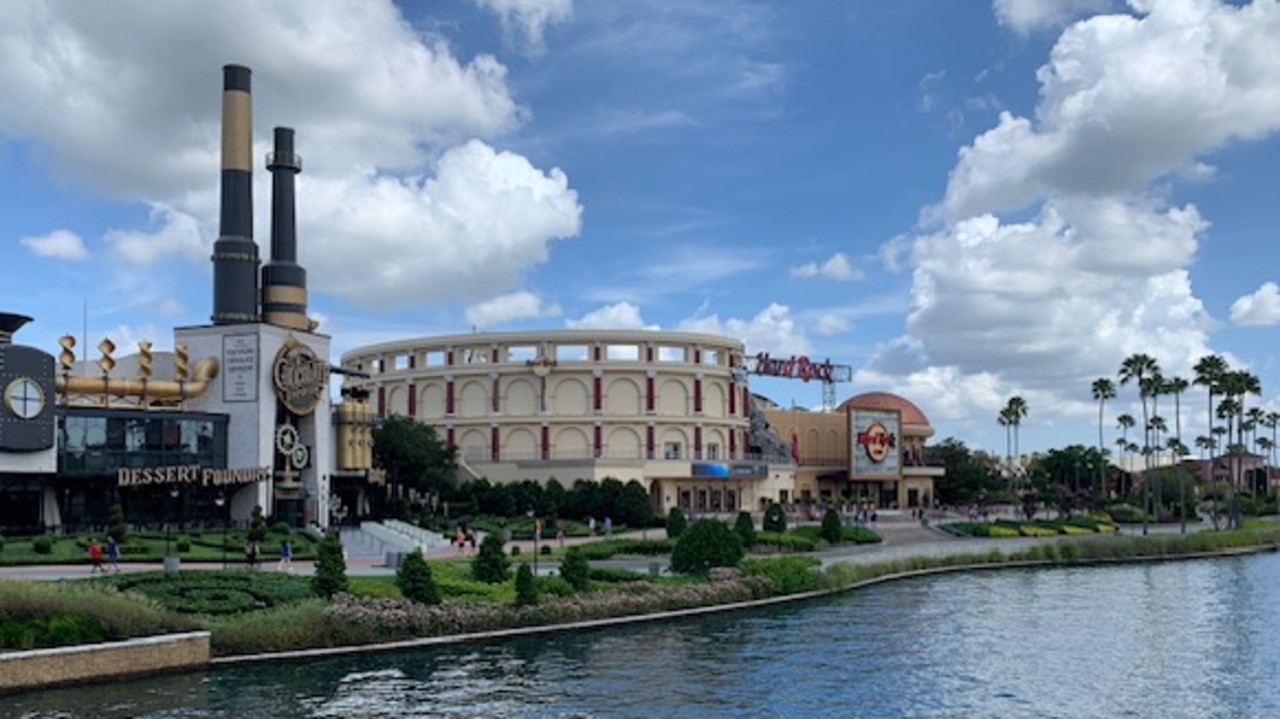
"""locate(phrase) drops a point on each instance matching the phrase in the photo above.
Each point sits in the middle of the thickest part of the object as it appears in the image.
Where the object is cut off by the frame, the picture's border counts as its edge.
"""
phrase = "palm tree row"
(1010, 417)
(1214, 374)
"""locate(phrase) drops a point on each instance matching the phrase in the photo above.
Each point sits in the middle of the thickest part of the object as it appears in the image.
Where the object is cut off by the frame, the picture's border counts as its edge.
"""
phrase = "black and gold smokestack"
(284, 283)
(235, 256)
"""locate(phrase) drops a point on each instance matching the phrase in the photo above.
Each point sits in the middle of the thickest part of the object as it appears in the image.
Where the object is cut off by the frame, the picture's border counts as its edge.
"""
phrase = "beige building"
(881, 463)
(671, 410)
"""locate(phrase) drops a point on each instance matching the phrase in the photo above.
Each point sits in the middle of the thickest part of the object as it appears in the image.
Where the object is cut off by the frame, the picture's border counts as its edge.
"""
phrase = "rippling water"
(1185, 639)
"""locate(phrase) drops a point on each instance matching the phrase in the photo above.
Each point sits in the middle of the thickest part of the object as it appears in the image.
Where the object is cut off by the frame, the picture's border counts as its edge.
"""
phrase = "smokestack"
(235, 256)
(284, 283)
(10, 323)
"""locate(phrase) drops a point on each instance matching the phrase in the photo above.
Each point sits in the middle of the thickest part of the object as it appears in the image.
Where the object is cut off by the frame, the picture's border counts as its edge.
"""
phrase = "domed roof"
(911, 414)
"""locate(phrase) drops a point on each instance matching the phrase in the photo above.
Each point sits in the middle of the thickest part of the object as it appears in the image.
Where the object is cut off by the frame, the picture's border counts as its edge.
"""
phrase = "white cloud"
(466, 233)
(177, 233)
(773, 329)
(1261, 308)
(1125, 100)
(1025, 16)
(514, 306)
(59, 244)
(617, 316)
(529, 18)
(838, 268)
(391, 123)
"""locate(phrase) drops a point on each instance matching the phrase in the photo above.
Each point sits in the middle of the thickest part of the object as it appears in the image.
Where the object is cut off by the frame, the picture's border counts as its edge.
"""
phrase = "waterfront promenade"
(902, 538)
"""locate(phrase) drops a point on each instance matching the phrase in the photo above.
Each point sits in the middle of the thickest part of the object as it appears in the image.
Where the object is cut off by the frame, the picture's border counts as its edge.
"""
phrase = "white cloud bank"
(1261, 308)
(59, 245)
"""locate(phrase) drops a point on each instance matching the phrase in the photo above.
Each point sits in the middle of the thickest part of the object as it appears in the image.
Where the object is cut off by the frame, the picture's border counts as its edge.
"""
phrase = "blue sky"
(962, 201)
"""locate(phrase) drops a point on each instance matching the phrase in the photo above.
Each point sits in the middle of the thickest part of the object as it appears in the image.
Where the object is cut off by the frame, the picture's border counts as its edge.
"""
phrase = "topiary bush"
(182, 545)
(331, 567)
(116, 526)
(746, 529)
(414, 580)
(775, 520)
(575, 569)
(257, 525)
(676, 523)
(832, 531)
(491, 563)
(526, 588)
(42, 544)
(705, 544)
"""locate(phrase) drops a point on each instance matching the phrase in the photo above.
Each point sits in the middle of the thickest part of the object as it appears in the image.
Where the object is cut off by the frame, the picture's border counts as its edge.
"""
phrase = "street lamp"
(537, 530)
(221, 501)
(169, 564)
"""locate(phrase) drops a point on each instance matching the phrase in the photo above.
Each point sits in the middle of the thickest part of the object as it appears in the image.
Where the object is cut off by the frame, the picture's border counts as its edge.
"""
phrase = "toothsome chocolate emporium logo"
(300, 377)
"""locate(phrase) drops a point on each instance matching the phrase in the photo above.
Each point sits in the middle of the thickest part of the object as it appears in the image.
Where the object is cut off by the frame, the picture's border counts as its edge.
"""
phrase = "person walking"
(286, 556)
(95, 557)
(113, 554)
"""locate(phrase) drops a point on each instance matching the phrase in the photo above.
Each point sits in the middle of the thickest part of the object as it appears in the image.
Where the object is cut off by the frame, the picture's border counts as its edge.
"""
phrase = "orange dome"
(911, 414)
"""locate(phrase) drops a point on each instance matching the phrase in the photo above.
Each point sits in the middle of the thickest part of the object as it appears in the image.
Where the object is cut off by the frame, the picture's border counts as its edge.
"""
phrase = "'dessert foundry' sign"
(300, 377)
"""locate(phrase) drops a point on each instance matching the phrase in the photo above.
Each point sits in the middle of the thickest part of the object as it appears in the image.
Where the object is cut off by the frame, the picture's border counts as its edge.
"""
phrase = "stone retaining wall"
(94, 662)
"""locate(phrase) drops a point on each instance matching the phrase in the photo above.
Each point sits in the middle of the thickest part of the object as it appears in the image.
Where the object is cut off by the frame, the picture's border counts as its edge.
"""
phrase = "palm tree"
(1235, 385)
(1178, 449)
(1103, 390)
(1272, 421)
(1126, 423)
(1209, 371)
(1016, 410)
(1256, 419)
(1205, 443)
(1176, 386)
(1138, 368)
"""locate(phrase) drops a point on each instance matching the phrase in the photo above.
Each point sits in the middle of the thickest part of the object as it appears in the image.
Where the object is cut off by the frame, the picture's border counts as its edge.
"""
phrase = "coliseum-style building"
(672, 410)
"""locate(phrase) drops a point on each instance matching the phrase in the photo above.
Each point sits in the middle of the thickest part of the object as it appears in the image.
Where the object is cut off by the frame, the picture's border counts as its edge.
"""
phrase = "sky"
(960, 200)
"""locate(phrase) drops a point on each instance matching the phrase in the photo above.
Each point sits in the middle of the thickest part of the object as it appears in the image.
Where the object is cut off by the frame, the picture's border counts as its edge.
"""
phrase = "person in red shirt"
(95, 557)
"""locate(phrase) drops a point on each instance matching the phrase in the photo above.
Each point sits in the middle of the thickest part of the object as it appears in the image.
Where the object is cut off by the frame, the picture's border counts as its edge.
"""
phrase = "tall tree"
(1017, 410)
(1136, 368)
(1175, 386)
(1209, 370)
(1103, 390)
(1236, 385)
(413, 455)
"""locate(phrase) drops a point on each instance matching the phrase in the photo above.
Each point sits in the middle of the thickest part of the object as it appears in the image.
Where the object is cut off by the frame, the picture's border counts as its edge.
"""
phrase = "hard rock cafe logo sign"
(300, 377)
(801, 368)
(877, 441)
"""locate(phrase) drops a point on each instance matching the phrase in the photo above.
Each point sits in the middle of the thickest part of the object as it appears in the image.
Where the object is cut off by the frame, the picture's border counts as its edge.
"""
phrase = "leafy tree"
(746, 529)
(832, 531)
(415, 581)
(968, 474)
(575, 569)
(116, 526)
(707, 543)
(413, 455)
(331, 567)
(775, 520)
(634, 508)
(676, 523)
(526, 588)
(491, 563)
(257, 525)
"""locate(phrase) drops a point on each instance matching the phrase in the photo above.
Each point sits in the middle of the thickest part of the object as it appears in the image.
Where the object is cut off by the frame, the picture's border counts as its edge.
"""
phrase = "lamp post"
(537, 530)
(170, 563)
(221, 501)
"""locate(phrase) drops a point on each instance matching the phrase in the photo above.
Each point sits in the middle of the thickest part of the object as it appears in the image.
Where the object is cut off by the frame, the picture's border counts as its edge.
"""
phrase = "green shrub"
(42, 544)
(414, 580)
(555, 586)
(282, 527)
(676, 523)
(615, 575)
(491, 563)
(1, 542)
(575, 569)
(775, 520)
(545, 550)
(607, 548)
(857, 534)
(746, 529)
(515, 550)
(831, 528)
(526, 587)
(789, 575)
(331, 567)
(257, 526)
(705, 544)
(116, 526)
(793, 541)
(182, 545)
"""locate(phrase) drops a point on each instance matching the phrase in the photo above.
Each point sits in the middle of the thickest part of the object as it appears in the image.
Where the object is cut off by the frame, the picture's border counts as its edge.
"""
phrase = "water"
(1185, 639)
